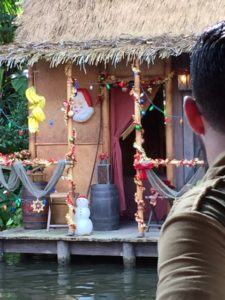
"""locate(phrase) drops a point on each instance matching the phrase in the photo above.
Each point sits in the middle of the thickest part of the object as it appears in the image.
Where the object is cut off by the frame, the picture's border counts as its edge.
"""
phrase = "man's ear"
(194, 116)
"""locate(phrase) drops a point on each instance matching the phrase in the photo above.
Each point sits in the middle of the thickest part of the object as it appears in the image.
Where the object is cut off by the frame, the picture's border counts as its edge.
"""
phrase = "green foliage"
(9, 9)
(13, 112)
(10, 209)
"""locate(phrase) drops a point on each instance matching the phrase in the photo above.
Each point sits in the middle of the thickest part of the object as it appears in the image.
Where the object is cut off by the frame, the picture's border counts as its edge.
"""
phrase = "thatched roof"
(101, 30)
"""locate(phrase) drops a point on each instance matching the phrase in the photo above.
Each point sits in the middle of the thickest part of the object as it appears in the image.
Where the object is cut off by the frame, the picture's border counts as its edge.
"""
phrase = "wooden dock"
(123, 242)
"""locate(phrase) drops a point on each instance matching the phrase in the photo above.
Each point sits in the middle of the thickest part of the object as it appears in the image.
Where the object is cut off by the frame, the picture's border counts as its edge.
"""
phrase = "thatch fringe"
(94, 31)
(96, 52)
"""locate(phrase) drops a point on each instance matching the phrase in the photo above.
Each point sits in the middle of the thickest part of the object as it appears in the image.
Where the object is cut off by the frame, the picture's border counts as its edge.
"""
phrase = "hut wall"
(51, 141)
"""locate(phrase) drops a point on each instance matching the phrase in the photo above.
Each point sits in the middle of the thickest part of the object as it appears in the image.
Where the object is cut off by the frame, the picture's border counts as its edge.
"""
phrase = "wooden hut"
(106, 47)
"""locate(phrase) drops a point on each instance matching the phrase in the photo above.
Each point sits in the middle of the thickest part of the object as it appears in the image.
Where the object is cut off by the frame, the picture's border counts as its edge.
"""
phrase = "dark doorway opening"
(155, 147)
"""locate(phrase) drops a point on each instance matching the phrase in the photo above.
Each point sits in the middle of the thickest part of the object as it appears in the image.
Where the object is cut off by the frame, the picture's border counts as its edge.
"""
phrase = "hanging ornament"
(38, 205)
(149, 89)
(21, 132)
(76, 84)
(138, 126)
(108, 86)
(82, 106)
(136, 70)
(102, 77)
(18, 202)
(72, 139)
(70, 113)
(121, 84)
(167, 120)
(4, 207)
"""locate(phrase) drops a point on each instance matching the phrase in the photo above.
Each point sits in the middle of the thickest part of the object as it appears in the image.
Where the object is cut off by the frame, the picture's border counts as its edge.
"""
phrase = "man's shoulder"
(192, 199)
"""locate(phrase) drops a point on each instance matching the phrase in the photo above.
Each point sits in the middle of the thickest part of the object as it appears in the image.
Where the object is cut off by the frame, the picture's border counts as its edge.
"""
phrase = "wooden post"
(71, 149)
(32, 136)
(138, 141)
(63, 253)
(129, 258)
(169, 125)
(105, 122)
(70, 123)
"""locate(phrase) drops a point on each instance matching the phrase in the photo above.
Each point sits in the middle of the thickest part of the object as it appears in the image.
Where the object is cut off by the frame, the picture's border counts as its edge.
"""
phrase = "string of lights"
(153, 106)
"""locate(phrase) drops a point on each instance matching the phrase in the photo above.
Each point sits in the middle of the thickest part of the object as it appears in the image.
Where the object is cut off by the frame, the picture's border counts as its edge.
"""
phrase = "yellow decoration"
(33, 125)
(37, 104)
(38, 205)
(38, 114)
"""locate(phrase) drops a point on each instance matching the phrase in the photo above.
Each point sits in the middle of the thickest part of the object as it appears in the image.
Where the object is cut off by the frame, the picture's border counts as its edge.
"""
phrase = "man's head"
(208, 78)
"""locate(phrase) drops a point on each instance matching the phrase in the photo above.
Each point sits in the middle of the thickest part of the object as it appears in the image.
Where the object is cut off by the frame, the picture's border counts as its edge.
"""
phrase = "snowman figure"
(83, 223)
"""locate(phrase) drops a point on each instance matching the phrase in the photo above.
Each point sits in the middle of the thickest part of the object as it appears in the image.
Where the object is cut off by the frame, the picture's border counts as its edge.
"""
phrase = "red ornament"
(121, 84)
(167, 120)
(21, 132)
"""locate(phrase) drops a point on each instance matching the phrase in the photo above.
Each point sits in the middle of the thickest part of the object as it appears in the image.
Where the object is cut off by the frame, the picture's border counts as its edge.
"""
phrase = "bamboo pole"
(138, 141)
(70, 123)
(32, 136)
(105, 122)
(71, 151)
(169, 125)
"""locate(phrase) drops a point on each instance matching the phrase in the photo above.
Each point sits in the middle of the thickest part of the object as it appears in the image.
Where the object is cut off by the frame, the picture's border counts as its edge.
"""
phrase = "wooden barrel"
(33, 219)
(105, 208)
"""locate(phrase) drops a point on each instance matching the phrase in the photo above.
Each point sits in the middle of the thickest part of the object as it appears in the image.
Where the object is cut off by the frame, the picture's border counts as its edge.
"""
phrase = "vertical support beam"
(71, 150)
(63, 253)
(138, 141)
(32, 136)
(169, 125)
(105, 122)
(129, 258)
(70, 124)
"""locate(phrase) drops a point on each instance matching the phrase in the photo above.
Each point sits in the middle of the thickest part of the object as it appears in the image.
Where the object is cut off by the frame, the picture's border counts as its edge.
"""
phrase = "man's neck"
(214, 144)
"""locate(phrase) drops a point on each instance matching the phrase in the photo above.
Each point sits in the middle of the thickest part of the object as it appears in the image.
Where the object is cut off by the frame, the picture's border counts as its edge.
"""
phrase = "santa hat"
(86, 95)
(83, 109)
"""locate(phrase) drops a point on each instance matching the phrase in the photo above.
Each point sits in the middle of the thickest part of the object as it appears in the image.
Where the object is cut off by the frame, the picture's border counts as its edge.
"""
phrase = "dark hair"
(208, 75)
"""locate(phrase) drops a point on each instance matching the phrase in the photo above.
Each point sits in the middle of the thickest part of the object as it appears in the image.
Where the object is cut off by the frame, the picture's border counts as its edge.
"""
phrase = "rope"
(166, 191)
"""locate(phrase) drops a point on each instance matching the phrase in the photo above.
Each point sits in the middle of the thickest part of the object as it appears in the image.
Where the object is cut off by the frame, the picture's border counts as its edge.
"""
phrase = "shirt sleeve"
(191, 261)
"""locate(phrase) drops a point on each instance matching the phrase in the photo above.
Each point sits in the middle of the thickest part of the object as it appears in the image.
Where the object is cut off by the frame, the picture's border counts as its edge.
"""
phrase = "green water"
(39, 278)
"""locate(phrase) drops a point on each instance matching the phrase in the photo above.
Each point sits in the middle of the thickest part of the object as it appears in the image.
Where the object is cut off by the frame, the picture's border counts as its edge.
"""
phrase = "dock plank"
(101, 243)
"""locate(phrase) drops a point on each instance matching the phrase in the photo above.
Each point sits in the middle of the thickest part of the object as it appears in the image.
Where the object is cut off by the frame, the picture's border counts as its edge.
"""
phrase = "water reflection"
(40, 279)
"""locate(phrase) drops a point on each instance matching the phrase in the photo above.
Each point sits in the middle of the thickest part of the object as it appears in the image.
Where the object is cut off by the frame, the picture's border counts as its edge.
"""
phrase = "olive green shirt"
(191, 247)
